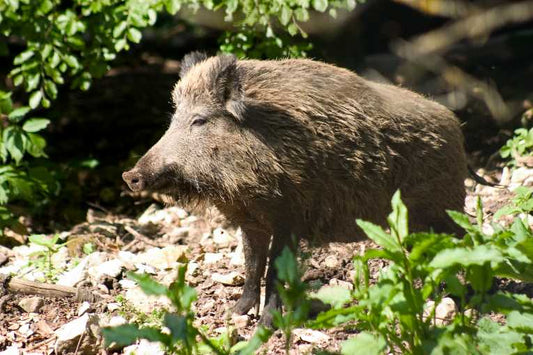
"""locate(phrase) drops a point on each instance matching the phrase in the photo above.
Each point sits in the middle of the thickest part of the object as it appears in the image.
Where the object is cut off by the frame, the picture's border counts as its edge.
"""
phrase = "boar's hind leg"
(255, 245)
(272, 298)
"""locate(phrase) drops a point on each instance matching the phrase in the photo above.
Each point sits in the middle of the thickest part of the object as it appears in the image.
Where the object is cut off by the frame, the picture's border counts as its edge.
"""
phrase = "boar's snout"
(134, 180)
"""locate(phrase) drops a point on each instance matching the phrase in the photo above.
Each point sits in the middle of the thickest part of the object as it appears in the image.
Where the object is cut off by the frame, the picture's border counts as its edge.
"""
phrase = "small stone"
(212, 258)
(240, 321)
(231, 279)
(127, 283)
(222, 238)
(68, 336)
(163, 258)
(111, 268)
(445, 311)
(520, 175)
(311, 336)
(180, 212)
(138, 299)
(113, 306)
(11, 350)
(237, 257)
(345, 284)
(31, 304)
(75, 275)
(332, 262)
(506, 176)
(116, 321)
(83, 308)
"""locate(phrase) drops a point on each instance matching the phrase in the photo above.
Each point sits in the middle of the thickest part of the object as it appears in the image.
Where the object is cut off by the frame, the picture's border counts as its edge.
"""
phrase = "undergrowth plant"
(43, 259)
(394, 314)
(518, 146)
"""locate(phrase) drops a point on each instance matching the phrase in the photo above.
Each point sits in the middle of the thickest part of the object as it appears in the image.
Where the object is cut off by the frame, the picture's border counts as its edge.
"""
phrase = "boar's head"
(208, 152)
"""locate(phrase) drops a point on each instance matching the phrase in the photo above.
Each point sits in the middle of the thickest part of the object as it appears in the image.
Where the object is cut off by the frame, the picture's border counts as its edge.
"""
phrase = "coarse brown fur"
(302, 148)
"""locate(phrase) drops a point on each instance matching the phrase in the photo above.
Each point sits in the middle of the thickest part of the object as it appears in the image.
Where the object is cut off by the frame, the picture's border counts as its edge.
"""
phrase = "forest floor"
(98, 253)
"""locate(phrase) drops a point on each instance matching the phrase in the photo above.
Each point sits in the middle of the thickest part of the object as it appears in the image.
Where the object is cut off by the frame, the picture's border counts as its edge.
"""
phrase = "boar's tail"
(480, 179)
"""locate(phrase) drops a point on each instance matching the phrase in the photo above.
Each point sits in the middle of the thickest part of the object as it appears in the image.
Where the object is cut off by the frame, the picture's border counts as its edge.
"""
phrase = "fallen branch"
(15, 285)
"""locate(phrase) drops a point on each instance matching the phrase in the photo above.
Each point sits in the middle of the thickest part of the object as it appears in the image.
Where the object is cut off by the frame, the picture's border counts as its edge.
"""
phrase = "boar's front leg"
(255, 245)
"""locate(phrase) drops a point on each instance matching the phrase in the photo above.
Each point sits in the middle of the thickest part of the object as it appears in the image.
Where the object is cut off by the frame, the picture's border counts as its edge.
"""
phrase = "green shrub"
(520, 145)
(394, 315)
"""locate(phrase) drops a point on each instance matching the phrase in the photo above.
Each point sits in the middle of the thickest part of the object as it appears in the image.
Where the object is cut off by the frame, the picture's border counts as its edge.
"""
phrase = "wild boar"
(297, 148)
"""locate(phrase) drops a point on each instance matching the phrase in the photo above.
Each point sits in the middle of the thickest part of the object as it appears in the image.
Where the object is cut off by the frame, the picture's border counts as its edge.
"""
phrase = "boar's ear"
(190, 60)
(227, 85)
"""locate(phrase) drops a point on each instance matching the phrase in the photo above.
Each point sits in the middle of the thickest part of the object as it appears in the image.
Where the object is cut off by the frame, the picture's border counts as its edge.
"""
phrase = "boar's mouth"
(167, 181)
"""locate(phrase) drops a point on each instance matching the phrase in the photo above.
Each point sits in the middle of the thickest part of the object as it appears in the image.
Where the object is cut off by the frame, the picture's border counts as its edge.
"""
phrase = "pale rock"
(29, 250)
(222, 238)
(25, 330)
(177, 233)
(311, 336)
(143, 302)
(116, 321)
(240, 321)
(75, 275)
(113, 306)
(521, 174)
(345, 284)
(506, 176)
(31, 304)
(446, 309)
(127, 258)
(145, 269)
(193, 269)
(212, 258)
(144, 347)
(155, 216)
(230, 279)
(11, 350)
(180, 212)
(237, 257)
(111, 268)
(163, 258)
(332, 262)
(444, 312)
(59, 258)
(487, 229)
(83, 308)
(68, 336)
(127, 283)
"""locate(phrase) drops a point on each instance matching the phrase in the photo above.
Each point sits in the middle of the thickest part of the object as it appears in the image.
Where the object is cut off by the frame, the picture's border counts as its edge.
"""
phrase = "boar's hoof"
(134, 180)
(246, 302)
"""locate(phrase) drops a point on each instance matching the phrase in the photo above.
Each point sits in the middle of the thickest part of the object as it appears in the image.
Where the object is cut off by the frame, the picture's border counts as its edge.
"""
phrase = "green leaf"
(260, 337)
(521, 321)
(35, 98)
(398, 217)
(364, 343)
(285, 15)
(127, 334)
(18, 114)
(467, 256)
(287, 266)
(119, 29)
(24, 56)
(35, 124)
(35, 146)
(336, 296)
(320, 5)
(173, 6)
(148, 285)
(134, 35)
(460, 219)
(379, 236)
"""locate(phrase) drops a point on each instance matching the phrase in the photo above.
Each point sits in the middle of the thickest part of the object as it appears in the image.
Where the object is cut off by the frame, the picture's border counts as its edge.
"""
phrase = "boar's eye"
(198, 121)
